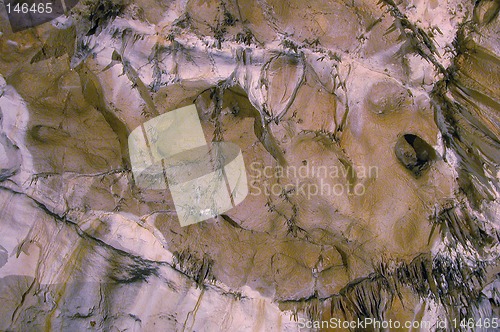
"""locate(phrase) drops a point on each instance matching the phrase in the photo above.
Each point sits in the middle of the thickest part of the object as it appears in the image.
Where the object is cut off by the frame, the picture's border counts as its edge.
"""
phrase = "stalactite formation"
(370, 136)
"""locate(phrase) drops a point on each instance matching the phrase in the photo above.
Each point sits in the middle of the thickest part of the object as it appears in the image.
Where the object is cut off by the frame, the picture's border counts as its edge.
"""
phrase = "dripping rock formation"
(370, 136)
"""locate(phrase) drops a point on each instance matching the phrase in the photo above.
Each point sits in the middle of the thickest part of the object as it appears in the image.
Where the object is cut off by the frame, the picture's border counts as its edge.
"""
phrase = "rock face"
(370, 135)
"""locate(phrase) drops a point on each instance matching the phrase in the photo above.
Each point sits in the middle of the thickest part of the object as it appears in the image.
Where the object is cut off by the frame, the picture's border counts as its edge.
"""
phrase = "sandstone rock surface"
(369, 131)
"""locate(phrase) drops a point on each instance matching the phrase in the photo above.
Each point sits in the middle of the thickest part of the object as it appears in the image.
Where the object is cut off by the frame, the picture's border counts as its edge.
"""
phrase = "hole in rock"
(414, 153)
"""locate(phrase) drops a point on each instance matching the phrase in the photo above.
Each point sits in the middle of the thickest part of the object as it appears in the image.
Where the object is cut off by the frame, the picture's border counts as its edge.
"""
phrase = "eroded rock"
(369, 134)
